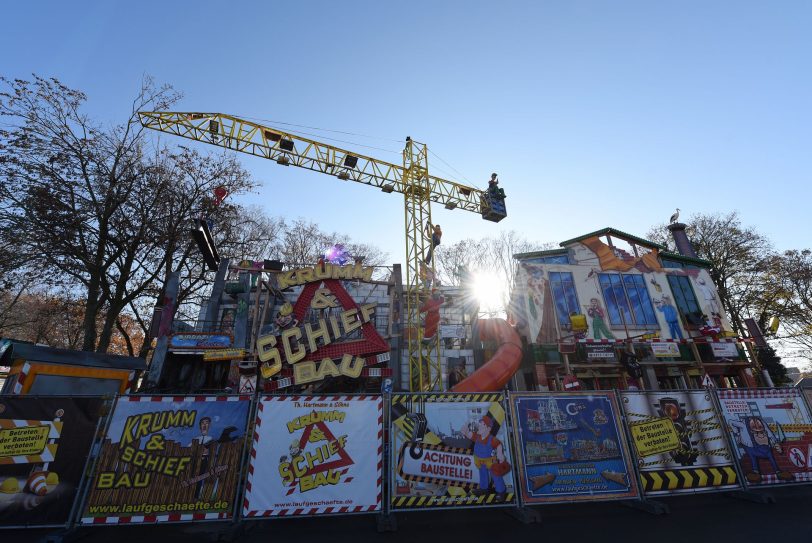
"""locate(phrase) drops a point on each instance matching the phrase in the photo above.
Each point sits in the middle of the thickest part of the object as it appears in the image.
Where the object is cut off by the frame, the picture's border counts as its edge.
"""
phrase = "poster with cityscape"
(680, 442)
(771, 429)
(571, 447)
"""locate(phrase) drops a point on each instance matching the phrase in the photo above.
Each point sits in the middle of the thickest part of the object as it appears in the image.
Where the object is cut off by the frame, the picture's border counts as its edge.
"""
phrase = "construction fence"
(140, 459)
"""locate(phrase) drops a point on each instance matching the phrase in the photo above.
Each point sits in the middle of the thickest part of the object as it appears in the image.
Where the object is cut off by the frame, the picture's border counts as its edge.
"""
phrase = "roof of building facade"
(617, 233)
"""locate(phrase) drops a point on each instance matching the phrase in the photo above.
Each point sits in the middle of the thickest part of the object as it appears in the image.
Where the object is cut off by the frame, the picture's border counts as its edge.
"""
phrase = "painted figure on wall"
(758, 441)
(666, 307)
(489, 457)
(709, 294)
(540, 315)
(597, 314)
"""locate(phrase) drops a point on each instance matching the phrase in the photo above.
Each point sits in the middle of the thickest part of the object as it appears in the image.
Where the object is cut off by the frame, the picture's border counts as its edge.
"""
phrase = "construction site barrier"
(315, 455)
(679, 441)
(572, 447)
(450, 451)
(771, 432)
(194, 458)
(44, 445)
(168, 459)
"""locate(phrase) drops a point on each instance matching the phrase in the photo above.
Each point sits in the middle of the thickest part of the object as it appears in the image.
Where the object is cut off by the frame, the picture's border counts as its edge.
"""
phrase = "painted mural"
(617, 293)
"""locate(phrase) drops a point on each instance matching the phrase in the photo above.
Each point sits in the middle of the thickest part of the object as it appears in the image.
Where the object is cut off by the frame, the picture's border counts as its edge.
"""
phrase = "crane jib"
(412, 179)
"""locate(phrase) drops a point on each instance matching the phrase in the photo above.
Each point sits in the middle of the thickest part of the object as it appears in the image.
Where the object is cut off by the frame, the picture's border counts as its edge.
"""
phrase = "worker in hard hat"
(436, 234)
(493, 188)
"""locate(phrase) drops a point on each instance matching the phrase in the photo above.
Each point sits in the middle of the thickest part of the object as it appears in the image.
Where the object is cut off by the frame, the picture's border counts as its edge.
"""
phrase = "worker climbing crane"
(412, 179)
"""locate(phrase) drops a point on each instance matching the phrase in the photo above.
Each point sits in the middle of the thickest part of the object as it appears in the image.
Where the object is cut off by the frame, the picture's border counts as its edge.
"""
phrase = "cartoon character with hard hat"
(489, 457)
(285, 318)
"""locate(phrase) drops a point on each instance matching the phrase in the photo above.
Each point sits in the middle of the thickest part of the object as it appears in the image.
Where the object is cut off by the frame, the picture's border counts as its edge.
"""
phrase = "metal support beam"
(164, 330)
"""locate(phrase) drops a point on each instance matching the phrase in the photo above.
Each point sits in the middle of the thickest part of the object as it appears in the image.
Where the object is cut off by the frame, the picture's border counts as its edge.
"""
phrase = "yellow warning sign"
(654, 436)
(23, 441)
(223, 354)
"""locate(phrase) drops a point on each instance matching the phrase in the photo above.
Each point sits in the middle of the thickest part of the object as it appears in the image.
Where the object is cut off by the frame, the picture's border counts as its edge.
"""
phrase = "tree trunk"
(91, 312)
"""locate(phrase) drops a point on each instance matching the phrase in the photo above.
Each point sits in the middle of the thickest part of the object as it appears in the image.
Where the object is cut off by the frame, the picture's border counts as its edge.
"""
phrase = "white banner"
(315, 455)
(725, 350)
(665, 350)
(452, 331)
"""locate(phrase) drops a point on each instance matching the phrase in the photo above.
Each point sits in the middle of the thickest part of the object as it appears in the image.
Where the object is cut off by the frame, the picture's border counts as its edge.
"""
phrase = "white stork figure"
(674, 217)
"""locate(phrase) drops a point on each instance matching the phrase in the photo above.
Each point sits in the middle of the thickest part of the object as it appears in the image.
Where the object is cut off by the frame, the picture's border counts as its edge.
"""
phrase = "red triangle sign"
(343, 459)
(372, 343)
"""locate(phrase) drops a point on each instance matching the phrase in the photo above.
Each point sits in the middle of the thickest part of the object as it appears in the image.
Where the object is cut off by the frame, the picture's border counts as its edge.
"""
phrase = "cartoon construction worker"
(488, 452)
(595, 311)
(758, 441)
(285, 318)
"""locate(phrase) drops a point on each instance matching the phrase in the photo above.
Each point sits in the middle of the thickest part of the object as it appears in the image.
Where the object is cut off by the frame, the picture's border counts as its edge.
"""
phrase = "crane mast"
(412, 179)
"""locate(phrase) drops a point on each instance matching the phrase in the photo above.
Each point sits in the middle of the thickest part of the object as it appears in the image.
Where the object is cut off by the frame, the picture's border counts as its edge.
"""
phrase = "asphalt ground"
(717, 517)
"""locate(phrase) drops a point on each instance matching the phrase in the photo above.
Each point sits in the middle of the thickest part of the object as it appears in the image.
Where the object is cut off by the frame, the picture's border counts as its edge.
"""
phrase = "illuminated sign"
(322, 347)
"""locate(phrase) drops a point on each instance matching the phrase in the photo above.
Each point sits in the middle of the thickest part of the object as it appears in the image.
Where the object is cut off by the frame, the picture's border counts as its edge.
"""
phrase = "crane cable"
(302, 133)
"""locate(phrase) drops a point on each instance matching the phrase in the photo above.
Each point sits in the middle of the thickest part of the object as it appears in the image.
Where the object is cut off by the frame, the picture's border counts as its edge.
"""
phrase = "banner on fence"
(772, 431)
(316, 455)
(450, 450)
(679, 441)
(168, 459)
(44, 443)
(571, 447)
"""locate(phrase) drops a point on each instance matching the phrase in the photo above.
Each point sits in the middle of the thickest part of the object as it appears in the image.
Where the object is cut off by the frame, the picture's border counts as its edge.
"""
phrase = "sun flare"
(489, 290)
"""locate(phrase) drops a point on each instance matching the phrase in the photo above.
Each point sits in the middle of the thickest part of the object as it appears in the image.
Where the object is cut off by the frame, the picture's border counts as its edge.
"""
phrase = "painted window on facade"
(564, 296)
(684, 295)
(627, 300)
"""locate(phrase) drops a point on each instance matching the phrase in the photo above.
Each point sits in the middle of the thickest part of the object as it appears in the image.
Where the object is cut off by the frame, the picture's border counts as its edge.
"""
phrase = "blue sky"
(593, 113)
(222, 415)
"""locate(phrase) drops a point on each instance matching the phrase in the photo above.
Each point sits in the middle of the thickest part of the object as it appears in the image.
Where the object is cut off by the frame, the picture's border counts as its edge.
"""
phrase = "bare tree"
(92, 205)
(493, 256)
(303, 242)
(739, 257)
(790, 296)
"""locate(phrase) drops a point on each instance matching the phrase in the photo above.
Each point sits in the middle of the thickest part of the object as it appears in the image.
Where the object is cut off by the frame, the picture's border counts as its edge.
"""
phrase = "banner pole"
(523, 513)
(386, 521)
(237, 526)
(93, 459)
(653, 507)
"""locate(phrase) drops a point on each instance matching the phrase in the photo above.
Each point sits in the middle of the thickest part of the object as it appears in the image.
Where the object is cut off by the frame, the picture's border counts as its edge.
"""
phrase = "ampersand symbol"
(155, 443)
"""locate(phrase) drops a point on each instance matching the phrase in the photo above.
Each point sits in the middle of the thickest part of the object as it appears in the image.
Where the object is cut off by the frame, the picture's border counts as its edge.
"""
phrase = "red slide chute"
(496, 372)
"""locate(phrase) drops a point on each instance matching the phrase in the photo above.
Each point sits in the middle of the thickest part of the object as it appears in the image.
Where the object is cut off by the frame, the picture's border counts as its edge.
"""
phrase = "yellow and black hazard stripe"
(721, 451)
(404, 502)
(799, 428)
(434, 398)
(685, 479)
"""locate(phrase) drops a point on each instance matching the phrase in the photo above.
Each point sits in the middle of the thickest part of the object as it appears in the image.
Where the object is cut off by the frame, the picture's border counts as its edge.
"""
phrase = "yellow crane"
(411, 179)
